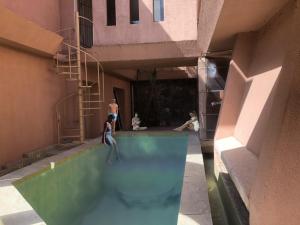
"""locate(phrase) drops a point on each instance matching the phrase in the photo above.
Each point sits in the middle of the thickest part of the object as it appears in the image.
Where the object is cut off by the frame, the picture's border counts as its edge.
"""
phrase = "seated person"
(135, 122)
(192, 124)
(108, 139)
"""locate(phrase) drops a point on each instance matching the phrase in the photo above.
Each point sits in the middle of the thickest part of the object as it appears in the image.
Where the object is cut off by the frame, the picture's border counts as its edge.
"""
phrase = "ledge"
(14, 209)
(194, 204)
(20, 33)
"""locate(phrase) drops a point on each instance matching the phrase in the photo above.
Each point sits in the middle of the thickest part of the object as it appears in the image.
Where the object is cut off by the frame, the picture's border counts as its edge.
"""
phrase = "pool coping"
(14, 209)
(194, 203)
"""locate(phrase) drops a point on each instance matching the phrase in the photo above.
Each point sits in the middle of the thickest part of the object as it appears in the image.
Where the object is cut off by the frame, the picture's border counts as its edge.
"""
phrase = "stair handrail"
(99, 65)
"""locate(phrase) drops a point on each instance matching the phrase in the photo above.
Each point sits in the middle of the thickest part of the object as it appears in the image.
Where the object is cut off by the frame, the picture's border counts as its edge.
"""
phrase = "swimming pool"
(143, 188)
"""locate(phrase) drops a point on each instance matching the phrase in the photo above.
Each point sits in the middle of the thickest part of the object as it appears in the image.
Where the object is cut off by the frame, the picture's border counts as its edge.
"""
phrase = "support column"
(80, 91)
(202, 93)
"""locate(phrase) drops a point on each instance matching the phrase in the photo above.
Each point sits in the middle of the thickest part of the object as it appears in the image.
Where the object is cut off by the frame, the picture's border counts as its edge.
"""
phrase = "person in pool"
(108, 139)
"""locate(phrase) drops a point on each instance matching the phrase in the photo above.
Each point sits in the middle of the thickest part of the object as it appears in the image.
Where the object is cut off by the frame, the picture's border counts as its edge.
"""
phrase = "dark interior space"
(111, 12)
(134, 12)
(162, 103)
(85, 9)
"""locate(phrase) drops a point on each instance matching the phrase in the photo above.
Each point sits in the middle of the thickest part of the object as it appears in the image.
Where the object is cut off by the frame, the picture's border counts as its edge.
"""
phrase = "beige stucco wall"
(29, 90)
(180, 23)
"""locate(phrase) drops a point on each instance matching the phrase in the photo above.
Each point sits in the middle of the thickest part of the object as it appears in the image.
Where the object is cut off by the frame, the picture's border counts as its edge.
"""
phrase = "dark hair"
(110, 118)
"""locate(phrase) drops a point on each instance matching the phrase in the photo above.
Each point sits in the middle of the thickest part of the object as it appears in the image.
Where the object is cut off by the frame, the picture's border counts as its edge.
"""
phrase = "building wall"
(261, 110)
(180, 23)
(29, 90)
(275, 198)
(45, 13)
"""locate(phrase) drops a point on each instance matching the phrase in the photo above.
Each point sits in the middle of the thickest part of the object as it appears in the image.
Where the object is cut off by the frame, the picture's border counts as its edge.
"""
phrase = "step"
(91, 108)
(70, 136)
(84, 86)
(72, 79)
(93, 94)
(86, 115)
(67, 73)
(91, 101)
(71, 128)
(67, 66)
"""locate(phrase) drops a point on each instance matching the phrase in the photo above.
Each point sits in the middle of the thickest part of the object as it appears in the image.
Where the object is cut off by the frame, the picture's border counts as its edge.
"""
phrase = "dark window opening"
(158, 10)
(111, 12)
(134, 12)
(85, 9)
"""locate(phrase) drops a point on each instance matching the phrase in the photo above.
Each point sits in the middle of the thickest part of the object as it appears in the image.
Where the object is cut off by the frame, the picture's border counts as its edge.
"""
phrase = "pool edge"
(14, 209)
(194, 203)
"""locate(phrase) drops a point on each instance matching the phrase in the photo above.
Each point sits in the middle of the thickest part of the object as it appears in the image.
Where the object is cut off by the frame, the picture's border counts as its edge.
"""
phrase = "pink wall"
(94, 124)
(46, 13)
(275, 198)
(29, 90)
(270, 69)
(180, 23)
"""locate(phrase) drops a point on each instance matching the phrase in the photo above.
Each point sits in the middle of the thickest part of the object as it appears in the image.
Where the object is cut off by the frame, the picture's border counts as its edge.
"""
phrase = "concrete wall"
(261, 109)
(29, 91)
(23, 34)
(180, 23)
(275, 198)
(45, 13)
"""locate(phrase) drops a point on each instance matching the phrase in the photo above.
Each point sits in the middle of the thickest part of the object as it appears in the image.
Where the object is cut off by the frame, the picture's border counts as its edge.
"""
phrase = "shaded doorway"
(119, 95)
(164, 103)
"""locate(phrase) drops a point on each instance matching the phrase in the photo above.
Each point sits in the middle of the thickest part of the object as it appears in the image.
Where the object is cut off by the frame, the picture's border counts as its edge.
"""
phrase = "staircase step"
(86, 115)
(67, 66)
(92, 94)
(84, 86)
(71, 128)
(70, 136)
(91, 108)
(67, 73)
(72, 79)
(91, 101)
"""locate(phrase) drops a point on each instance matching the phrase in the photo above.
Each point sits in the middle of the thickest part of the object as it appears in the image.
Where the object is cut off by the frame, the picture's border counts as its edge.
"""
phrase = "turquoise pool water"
(142, 189)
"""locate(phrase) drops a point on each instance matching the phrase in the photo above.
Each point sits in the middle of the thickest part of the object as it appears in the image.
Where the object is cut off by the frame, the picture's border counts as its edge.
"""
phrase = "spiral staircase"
(74, 64)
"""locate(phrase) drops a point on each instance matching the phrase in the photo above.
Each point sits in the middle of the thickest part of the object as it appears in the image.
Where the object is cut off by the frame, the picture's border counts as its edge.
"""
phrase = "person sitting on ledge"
(108, 139)
(192, 124)
(135, 122)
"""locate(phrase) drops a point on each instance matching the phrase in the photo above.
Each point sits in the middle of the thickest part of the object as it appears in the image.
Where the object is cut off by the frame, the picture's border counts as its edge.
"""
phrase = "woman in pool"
(108, 139)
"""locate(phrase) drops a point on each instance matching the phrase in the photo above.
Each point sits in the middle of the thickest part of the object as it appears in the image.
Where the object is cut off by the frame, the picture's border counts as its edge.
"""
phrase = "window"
(111, 12)
(134, 12)
(85, 9)
(158, 10)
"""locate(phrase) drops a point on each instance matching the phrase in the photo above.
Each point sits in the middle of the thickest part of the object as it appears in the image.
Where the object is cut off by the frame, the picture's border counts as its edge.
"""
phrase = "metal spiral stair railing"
(72, 63)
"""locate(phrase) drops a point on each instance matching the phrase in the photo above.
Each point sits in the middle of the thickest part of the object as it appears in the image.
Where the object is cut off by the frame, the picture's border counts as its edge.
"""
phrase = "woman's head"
(110, 118)
(192, 114)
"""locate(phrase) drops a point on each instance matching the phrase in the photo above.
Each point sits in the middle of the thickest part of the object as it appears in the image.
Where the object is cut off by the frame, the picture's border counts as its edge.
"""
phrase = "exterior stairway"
(72, 65)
